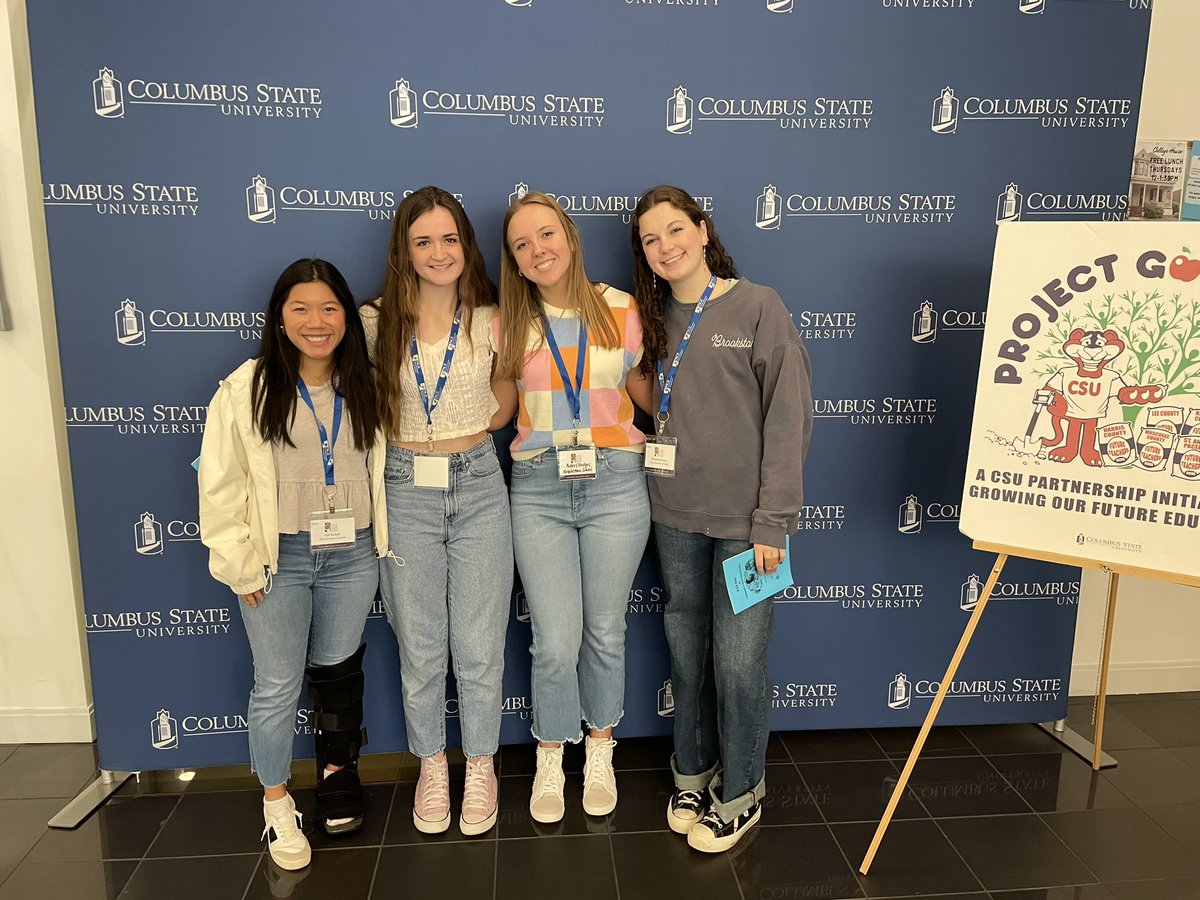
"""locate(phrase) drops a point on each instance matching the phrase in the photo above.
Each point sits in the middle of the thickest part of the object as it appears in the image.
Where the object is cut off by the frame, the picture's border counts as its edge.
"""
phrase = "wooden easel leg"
(943, 688)
(1102, 690)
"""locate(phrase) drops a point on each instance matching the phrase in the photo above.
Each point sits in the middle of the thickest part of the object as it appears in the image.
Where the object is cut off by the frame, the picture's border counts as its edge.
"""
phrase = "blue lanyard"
(574, 391)
(326, 443)
(667, 383)
(431, 403)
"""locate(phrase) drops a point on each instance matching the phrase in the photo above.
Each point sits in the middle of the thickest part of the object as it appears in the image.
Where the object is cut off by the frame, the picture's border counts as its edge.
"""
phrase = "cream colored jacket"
(239, 517)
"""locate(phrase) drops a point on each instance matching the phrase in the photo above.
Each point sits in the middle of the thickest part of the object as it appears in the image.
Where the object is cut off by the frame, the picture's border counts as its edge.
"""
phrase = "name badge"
(331, 529)
(660, 456)
(431, 472)
(576, 463)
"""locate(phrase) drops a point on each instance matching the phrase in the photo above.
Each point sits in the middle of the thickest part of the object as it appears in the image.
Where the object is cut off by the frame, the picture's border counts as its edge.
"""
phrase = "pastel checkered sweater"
(544, 418)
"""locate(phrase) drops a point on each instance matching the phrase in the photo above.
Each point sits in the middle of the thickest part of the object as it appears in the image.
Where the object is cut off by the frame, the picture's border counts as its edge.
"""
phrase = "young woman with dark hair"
(428, 333)
(291, 510)
(579, 509)
(719, 488)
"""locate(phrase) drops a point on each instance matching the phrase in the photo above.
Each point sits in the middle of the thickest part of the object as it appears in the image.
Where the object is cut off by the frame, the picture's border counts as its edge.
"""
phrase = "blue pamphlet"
(746, 587)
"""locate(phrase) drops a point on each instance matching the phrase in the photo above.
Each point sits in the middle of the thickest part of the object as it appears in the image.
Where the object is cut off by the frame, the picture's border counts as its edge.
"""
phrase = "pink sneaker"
(431, 806)
(479, 804)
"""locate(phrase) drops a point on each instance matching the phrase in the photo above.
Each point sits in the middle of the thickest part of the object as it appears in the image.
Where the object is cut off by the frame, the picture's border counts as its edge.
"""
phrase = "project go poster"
(1086, 435)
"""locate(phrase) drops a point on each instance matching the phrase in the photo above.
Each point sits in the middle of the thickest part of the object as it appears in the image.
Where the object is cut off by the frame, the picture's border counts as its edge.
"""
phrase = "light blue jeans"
(451, 597)
(578, 545)
(313, 615)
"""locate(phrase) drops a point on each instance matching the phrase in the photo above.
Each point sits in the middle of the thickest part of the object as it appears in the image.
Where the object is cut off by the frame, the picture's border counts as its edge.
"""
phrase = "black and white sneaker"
(685, 809)
(712, 834)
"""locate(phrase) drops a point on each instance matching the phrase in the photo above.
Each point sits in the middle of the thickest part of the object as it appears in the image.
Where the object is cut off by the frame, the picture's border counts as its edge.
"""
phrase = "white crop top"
(467, 403)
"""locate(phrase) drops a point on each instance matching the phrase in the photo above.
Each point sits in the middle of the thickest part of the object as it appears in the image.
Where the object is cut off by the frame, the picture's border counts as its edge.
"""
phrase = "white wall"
(1156, 641)
(45, 690)
(44, 683)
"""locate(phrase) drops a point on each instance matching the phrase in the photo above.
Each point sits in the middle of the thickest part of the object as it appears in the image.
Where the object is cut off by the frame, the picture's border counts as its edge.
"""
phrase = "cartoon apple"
(1183, 268)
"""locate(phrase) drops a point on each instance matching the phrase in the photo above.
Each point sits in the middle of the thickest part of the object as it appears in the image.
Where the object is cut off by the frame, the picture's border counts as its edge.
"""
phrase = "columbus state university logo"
(900, 692)
(679, 111)
(402, 104)
(520, 189)
(1031, 7)
(945, 112)
(147, 535)
(968, 596)
(260, 201)
(666, 700)
(130, 324)
(924, 324)
(781, 6)
(1009, 204)
(911, 516)
(164, 731)
(768, 209)
(108, 95)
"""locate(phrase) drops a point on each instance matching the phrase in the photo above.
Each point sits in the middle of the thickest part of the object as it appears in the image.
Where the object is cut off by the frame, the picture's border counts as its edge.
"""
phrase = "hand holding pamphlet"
(747, 587)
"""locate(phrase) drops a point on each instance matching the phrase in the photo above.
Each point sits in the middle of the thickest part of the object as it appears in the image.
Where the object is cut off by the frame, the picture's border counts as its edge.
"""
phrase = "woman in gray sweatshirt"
(733, 422)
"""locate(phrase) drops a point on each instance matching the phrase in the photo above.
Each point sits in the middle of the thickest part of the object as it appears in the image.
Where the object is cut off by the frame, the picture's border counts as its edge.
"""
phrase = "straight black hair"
(273, 394)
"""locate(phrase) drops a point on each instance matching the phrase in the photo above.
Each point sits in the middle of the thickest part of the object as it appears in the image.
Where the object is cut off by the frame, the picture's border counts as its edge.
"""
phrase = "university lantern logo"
(402, 105)
(260, 201)
(945, 112)
(108, 97)
(1009, 204)
(666, 700)
(924, 325)
(130, 324)
(767, 209)
(147, 535)
(164, 731)
(679, 111)
(911, 516)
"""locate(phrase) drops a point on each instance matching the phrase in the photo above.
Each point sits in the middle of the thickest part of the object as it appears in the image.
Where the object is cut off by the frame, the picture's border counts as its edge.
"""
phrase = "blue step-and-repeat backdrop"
(855, 154)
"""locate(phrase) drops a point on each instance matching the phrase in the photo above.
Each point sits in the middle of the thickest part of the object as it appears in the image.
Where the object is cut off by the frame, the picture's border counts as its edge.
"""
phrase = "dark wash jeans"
(719, 672)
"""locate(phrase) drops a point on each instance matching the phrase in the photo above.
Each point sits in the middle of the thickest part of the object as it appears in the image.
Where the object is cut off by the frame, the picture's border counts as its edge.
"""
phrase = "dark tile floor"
(998, 812)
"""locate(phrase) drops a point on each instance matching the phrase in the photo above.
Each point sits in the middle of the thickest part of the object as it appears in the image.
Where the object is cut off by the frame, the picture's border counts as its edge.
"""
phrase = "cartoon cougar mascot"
(1080, 394)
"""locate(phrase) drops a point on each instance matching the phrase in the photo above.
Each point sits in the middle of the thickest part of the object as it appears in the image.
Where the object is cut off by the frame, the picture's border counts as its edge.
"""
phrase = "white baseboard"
(1139, 677)
(62, 725)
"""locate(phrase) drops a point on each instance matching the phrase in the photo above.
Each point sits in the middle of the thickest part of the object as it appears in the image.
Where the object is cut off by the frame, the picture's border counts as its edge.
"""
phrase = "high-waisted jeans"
(718, 671)
(578, 545)
(313, 614)
(451, 597)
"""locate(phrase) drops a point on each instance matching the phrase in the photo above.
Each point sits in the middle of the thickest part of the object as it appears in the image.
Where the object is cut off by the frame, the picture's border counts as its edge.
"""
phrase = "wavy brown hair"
(397, 301)
(520, 302)
(654, 293)
(273, 389)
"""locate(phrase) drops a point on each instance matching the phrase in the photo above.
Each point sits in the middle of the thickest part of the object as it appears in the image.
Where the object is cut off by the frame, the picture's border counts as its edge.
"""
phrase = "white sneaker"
(599, 779)
(546, 801)
(286, 842)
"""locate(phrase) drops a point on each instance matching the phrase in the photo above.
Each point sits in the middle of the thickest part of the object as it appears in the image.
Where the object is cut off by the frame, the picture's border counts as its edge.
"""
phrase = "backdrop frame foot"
(90, 799)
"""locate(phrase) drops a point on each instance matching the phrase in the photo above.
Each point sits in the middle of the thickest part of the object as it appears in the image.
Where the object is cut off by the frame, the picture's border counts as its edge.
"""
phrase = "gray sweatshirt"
(741, 409)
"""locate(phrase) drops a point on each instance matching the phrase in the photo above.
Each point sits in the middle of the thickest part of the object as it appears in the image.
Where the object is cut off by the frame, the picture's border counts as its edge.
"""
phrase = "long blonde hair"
(397, 303)
(520, 302)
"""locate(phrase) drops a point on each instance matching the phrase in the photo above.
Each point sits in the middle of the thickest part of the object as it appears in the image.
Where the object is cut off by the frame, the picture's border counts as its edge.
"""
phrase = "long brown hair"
(273, 389)
(397, 302)
(521, 305)
(654, 293)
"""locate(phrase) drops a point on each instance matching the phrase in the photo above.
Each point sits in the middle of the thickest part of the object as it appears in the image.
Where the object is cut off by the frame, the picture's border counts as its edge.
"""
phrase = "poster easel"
(1114, 571)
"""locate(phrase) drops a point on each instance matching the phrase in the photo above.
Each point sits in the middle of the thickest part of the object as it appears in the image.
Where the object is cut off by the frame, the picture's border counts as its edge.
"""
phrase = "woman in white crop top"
(447, 501)
(291, 510)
